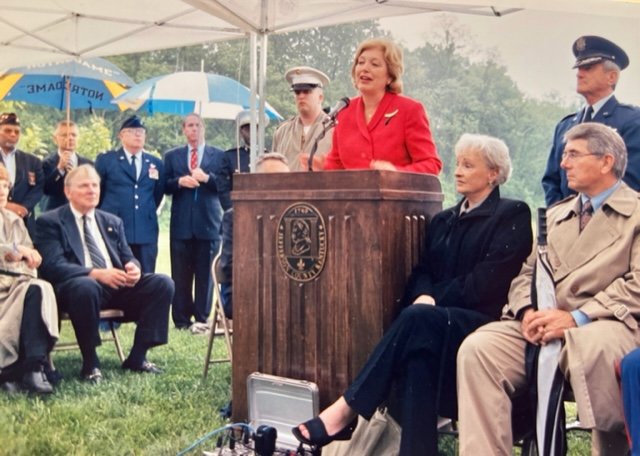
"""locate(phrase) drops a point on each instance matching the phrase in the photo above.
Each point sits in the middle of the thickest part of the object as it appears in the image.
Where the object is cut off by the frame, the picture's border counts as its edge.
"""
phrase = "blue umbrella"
(74, 84)
(211, 95)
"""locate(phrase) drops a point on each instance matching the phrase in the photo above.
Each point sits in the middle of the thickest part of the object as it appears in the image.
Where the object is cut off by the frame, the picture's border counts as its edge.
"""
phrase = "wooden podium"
(320, 264)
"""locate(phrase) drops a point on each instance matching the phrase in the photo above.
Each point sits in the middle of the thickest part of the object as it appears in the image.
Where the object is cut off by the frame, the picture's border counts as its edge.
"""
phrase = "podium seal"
(302, 242)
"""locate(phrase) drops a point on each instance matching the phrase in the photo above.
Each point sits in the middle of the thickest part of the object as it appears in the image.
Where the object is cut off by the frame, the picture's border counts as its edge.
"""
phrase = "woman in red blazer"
(381, 129)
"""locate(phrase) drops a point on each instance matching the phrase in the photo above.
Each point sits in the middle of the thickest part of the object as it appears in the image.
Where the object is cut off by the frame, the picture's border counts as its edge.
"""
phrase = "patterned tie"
(193, 162)
(585, 214)
(97, 259)
(588, 115)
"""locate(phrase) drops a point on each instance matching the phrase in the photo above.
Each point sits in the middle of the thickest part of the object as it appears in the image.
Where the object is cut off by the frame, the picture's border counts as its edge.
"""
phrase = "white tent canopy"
(37, 31)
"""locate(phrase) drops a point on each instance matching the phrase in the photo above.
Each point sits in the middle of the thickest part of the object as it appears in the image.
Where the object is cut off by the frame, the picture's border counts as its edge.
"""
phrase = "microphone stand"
(329, 125)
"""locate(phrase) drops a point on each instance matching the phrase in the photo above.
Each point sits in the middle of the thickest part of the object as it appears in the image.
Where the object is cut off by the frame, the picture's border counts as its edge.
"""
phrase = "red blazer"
(398, 133)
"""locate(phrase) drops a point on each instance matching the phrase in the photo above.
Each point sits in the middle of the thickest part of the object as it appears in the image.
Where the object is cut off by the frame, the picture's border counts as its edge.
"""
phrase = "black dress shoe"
(93, 376)
(146, 367)
(36, 382)
(10, 387)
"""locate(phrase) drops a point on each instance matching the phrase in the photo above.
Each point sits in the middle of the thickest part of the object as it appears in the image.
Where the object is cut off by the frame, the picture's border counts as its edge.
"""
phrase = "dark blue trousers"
(631, 397)
(416, 356)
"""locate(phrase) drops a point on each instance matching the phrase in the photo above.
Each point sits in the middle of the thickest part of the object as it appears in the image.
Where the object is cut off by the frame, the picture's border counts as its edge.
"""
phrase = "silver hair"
(608, 65)
(601, 140)
(85, 170)
(494, 152)
(271, 156)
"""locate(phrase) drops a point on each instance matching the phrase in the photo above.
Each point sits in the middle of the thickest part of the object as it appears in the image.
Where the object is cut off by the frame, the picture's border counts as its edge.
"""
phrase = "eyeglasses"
(9, 118)
(572, 155)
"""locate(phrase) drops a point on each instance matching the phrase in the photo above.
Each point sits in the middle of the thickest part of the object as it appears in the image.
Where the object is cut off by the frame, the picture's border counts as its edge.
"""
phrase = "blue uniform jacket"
(28, 188)
(134, 201)
(195, 213)
(624, 118)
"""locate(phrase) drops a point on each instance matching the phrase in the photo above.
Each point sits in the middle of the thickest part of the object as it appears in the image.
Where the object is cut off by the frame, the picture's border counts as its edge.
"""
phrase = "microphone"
(339, 106)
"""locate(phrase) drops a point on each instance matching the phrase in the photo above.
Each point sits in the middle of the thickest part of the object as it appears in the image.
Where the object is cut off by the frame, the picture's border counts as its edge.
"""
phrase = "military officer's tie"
(133, 166)
(585, 214)
(97, 259)
(588, 114)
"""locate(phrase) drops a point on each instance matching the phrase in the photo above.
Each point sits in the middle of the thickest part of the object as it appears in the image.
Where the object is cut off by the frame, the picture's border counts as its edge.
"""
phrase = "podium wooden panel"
(322, 330)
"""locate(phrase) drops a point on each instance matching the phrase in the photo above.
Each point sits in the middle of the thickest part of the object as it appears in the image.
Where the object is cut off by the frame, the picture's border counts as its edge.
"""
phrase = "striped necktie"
(97, 259)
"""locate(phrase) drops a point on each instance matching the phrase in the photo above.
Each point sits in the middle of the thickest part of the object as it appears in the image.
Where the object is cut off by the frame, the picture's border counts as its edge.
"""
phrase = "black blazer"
(58, 241)
(28, 188)
(195, 213)
(54, 181)
(469, 260)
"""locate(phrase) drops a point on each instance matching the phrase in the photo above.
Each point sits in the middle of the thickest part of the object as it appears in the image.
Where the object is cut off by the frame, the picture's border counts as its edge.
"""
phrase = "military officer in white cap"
(295, 137)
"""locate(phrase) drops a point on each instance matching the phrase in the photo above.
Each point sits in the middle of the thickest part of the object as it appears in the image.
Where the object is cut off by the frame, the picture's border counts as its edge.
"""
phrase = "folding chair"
(218, 319)
(111, 316)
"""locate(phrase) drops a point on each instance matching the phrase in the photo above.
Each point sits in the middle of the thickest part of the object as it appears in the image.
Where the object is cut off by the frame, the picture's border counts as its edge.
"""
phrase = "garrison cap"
(133, 122)
(590, 49)
(306, 78)
(9, 118)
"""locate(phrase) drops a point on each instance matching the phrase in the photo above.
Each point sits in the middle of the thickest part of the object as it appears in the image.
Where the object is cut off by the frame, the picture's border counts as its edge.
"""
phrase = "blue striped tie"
(97, 259)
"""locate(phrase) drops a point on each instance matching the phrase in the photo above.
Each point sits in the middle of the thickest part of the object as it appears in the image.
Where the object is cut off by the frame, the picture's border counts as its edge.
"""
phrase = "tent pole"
(262, 78)
(253, 57)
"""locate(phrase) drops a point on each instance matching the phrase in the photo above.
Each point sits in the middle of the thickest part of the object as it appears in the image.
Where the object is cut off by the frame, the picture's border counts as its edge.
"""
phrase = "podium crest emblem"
(302, 242)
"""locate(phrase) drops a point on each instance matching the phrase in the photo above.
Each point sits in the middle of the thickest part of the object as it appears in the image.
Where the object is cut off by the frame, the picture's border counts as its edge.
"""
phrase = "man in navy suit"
(599, 63)
(25, 171)
(57, 164)
(132, 187)
(87, 260)
(193, 180)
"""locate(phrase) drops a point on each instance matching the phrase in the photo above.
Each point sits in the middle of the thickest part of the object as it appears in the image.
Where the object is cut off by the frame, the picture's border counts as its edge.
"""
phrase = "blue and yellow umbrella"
(75, 84)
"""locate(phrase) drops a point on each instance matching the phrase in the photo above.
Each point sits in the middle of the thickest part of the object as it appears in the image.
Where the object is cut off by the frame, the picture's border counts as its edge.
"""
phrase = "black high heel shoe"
(318, 436)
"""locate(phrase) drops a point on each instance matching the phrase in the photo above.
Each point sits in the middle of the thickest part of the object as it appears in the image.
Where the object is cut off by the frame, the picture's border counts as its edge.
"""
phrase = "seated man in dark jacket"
(87, 260)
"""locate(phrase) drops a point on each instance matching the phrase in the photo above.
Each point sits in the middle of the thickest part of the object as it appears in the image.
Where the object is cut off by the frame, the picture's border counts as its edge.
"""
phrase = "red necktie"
(194, 159)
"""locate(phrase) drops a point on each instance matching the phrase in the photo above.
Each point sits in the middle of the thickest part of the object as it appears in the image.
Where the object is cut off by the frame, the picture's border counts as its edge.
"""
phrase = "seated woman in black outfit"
(472, 252)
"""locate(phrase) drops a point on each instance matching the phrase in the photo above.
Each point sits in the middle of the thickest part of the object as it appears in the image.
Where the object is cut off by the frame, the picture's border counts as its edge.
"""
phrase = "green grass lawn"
(138, 414)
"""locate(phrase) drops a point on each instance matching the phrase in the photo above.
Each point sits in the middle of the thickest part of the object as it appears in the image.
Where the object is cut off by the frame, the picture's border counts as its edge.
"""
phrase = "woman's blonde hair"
(392, 57)
(4, 174)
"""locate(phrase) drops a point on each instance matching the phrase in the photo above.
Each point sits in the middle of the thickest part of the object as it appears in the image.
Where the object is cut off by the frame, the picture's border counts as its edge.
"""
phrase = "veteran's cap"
(133, 122)
(9, 118)
(306, 78)
(591, 49)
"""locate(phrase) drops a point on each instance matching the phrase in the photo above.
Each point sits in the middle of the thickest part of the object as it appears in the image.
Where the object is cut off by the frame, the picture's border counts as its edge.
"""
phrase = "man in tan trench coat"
(596, 267)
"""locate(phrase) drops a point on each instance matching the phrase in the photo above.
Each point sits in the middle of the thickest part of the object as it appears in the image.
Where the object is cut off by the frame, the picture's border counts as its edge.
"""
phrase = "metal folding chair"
(220, 325)
(111, 316)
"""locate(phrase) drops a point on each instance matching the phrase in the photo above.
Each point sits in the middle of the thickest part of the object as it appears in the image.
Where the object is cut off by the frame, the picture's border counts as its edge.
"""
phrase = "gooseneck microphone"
(339, 106)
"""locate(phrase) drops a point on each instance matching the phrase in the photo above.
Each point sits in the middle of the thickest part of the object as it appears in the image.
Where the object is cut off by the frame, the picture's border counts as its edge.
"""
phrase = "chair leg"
(212, 335)
(116, 340)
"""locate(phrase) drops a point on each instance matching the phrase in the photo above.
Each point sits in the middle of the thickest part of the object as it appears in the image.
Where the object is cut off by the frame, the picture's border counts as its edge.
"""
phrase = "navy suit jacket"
(54, 181)
(622, 117)
(134, 201)
(195, 213)
(28, 188)
(58, 241)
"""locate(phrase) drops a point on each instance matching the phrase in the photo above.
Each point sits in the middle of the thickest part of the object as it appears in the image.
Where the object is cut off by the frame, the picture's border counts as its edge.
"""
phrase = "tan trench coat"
(14, 288)
(290, 140)
(597, 272)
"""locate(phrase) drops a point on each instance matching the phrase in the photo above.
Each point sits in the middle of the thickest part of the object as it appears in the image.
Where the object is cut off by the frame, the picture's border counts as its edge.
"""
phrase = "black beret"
(594, 49)
(133, 122)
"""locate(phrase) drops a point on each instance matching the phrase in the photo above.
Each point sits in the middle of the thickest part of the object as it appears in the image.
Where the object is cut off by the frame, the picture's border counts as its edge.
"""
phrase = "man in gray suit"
(594, 253)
